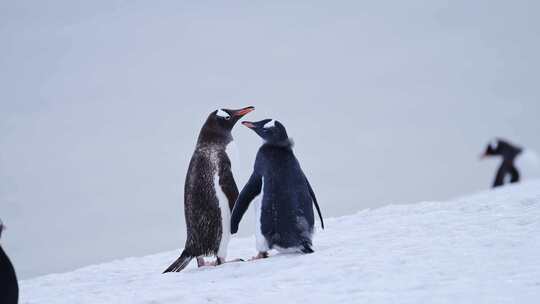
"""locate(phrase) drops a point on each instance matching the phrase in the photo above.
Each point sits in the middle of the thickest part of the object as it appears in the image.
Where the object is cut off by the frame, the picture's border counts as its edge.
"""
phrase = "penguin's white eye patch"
(270, 124)
(493, 144)
(223, 114)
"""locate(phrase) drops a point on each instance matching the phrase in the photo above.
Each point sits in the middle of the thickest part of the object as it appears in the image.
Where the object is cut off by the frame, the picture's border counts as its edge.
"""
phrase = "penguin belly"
(260, 240)
(225, 213)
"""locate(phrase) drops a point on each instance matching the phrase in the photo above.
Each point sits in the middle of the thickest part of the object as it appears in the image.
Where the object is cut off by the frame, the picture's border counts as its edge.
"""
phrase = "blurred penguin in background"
(9, 289)
(507, 172)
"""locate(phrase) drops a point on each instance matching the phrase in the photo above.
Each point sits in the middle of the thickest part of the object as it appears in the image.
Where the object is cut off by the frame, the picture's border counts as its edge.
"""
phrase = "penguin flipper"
(180, 263)
(248, 193)
(315, 202)
(227, 183)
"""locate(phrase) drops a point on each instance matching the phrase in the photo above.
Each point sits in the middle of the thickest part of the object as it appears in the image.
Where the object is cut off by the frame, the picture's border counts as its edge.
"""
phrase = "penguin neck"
(286, 143)
(212, 139)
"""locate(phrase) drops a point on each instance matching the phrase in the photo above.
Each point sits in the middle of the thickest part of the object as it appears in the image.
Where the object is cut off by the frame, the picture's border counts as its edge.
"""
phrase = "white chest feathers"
(225, 217)
(260, 240)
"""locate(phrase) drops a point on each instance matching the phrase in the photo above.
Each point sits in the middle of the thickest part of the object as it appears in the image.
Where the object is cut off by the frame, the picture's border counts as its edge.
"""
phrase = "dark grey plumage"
(285, 213)
(209, 182)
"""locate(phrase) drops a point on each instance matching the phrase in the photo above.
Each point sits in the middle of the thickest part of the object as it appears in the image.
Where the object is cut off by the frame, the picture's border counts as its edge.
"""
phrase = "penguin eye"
(223, 114)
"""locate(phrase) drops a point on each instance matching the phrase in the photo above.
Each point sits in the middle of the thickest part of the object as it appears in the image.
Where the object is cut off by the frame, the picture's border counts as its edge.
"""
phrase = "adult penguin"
(9, 288)
(284, 215)
(507, 171)
(210, 192)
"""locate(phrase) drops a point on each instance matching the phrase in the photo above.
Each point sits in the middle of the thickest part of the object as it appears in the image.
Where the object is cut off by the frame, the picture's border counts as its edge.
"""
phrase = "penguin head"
(501, 147)
(271, 131)
(219, 124)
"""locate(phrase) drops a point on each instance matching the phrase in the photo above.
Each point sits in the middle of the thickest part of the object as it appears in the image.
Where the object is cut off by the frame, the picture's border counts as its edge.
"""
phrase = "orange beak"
(244, 111)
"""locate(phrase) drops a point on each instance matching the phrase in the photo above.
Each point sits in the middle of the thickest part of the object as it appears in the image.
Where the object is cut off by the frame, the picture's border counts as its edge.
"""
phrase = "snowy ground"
(483, 248)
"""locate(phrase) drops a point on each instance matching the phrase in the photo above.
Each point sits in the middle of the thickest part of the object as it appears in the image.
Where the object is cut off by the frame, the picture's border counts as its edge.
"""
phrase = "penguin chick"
(284, 215)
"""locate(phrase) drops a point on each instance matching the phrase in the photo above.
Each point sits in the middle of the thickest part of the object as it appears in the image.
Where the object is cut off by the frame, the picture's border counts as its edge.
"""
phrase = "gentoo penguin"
(507, 171)
(284, 215)
(210, 191)
(9, 288)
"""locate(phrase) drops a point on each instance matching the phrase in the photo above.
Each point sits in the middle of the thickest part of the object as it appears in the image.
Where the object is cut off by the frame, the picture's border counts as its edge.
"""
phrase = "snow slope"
(483, 248)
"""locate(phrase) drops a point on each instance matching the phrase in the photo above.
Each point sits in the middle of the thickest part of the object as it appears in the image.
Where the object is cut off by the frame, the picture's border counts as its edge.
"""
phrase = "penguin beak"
(241, 112)
(248, 124)
(483, 156)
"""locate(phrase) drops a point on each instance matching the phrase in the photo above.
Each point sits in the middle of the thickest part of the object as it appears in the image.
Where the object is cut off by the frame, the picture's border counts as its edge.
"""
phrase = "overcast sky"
(389, 102)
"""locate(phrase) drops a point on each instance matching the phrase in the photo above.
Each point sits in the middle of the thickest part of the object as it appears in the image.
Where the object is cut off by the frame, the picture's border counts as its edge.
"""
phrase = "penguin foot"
(201, 262)
(220, 261)
(260, 255)
(217, 262)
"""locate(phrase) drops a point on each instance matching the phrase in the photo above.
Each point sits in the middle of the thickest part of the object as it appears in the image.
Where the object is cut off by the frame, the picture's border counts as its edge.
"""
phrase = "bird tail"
(180, 263)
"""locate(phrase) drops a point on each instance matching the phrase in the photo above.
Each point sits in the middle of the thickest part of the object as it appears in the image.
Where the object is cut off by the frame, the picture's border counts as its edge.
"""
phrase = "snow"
(483, 248)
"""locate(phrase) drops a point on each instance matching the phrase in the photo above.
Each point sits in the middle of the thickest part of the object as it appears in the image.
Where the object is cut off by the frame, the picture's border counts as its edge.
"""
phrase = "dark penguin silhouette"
(210, 191)
(284, 216)
(508, 152)
(9, 288)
